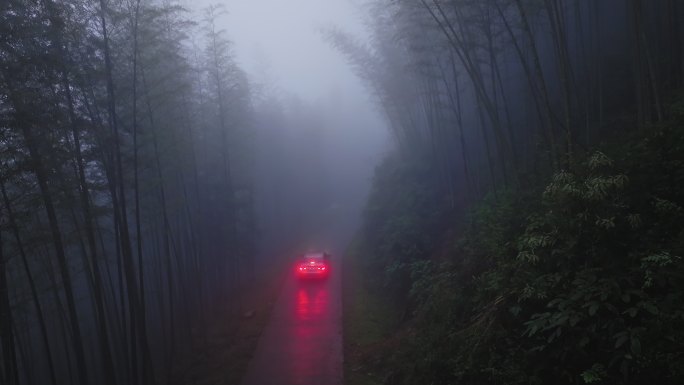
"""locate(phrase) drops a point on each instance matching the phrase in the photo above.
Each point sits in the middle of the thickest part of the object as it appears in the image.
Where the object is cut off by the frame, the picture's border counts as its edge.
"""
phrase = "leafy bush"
(579, 281)
(403, 220)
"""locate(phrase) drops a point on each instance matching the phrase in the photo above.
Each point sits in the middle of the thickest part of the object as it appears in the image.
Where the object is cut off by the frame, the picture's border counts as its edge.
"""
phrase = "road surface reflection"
(312, 302)
(302, 344)
(312, 330)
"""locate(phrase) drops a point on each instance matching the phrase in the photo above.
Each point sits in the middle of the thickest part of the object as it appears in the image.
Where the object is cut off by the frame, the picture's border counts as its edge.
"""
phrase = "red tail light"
(312, 268)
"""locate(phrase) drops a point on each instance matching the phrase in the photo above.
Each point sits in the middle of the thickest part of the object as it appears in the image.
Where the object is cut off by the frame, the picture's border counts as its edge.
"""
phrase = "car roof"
(313, 256)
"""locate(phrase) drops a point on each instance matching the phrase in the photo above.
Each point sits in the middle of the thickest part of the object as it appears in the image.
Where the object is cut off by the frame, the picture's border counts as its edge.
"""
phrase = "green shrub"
(578, 281)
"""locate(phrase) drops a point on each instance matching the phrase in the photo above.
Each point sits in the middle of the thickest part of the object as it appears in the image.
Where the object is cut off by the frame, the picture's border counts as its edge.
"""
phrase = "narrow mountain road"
(302, 344)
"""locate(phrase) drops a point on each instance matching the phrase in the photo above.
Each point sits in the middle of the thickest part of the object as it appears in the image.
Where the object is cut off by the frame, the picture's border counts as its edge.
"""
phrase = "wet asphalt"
(302, 343)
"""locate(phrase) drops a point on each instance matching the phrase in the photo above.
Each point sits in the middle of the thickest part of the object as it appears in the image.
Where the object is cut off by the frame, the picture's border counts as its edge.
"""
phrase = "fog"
(162, 163)
(236, 137)
(280, 45)
(320, 133)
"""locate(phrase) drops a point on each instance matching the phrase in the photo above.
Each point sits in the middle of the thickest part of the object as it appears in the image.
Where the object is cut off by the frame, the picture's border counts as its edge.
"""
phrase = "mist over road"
(302, 343)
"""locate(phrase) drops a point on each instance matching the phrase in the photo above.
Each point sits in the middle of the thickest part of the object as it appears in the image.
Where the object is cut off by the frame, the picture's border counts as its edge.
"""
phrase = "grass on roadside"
(233, 338)
(366, 321)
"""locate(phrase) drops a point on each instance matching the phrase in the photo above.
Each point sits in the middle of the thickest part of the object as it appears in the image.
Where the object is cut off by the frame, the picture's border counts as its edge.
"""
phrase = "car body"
(313, 265)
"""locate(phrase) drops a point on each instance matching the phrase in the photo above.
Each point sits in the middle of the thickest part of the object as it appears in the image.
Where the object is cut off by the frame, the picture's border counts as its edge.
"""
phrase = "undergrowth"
(576, 279)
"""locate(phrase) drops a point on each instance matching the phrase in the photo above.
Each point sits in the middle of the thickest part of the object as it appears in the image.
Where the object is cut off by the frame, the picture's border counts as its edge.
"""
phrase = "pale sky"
(279, 44)
(278, 41)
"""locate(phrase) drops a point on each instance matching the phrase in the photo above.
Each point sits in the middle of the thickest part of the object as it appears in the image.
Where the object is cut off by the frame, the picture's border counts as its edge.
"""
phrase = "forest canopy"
(528, 228)
(127, 215)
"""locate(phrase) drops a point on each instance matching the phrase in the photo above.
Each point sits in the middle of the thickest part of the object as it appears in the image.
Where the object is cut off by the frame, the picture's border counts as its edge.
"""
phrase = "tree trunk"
(24, 120)
(9, 352)
(32, 285)
(132, 286)
(95, 276)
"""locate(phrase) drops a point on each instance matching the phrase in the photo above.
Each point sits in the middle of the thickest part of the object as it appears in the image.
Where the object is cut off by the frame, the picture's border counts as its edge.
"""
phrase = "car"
(313, 265)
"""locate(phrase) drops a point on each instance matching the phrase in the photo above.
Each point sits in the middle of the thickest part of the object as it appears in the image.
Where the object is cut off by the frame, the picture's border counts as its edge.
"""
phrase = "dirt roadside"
(223, 357)
(365, 323)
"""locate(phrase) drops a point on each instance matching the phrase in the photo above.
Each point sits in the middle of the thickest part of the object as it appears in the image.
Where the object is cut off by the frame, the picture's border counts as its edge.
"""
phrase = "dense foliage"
(126, 213)
(577, 280)
(548, 123)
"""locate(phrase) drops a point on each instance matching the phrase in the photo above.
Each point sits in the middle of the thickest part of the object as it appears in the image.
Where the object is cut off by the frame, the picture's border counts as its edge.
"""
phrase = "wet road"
(302, 344)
